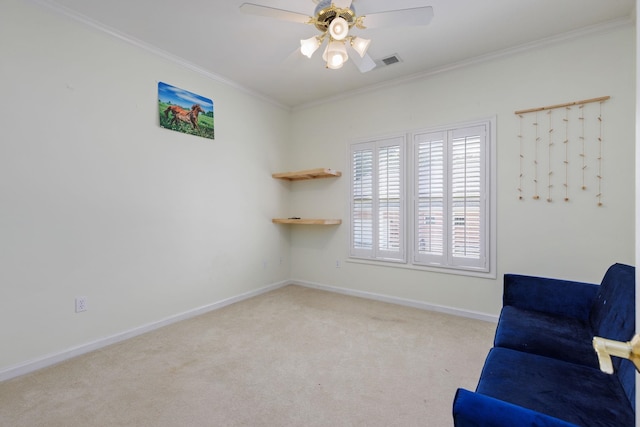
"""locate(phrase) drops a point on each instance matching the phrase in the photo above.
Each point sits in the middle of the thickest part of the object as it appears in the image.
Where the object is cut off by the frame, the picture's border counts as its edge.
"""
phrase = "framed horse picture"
(185, 111)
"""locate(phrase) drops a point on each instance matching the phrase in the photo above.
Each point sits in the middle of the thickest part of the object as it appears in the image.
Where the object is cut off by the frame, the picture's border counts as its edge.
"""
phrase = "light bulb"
(339, 28)
(335, 54)
(335, 61)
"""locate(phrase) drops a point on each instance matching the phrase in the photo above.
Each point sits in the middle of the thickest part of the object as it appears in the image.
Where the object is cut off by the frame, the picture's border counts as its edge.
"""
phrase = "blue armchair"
(543, 370)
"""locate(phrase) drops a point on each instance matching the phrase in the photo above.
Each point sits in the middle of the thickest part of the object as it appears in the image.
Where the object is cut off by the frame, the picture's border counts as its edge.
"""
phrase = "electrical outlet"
(81, 304)
(337, 263)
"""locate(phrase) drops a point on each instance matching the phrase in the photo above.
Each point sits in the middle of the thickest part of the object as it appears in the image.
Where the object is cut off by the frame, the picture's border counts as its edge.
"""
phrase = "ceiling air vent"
(389, 60)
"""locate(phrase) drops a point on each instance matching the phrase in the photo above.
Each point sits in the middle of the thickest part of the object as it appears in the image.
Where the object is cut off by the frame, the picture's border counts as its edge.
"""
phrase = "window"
(450, 201)
(449, 223)
(377, 199)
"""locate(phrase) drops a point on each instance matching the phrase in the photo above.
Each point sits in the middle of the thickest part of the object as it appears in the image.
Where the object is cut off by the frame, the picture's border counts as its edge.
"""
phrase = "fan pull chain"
(566, 154)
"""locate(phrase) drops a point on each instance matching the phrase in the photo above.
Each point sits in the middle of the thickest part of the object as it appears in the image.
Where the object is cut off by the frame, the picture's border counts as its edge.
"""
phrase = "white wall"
(99, 201)
(576, 240)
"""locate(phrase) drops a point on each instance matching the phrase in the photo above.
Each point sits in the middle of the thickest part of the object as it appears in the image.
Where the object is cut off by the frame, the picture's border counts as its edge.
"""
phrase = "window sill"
(408, 266)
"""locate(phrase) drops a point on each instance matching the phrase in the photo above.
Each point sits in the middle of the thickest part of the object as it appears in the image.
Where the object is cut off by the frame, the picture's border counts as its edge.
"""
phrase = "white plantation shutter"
(377, 200)
(450, 216)
(390, 239)
(429, 213)
(467, 230)
(451, 222)
(362, 201)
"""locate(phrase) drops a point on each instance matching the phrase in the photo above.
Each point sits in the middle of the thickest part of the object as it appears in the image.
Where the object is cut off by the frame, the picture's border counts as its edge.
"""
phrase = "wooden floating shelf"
(307, 174)
(307, 221)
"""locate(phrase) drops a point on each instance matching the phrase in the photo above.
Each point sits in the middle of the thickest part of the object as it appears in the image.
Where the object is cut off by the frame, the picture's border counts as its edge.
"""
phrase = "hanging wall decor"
(579, 125)
(185, 111)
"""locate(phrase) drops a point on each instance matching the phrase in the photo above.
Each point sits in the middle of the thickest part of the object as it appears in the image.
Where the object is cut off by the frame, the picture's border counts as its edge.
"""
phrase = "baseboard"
(52, 359)
(400, 301)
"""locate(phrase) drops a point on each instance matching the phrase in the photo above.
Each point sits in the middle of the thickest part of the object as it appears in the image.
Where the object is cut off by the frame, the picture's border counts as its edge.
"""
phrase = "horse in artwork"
(175, 109)
(182, 115)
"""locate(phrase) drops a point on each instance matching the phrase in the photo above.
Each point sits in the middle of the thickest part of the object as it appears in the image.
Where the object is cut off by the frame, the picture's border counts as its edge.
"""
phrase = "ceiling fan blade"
(271, 12)
(342, 4)
(364, 64)
(405, 17)
(293, 59)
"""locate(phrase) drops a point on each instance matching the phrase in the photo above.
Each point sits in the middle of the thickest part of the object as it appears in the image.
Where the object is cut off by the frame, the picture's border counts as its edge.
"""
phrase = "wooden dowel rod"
(568, 104)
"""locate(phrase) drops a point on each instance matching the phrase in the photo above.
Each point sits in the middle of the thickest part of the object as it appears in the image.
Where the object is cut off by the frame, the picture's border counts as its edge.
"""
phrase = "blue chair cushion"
(578, 394)
(563, 338)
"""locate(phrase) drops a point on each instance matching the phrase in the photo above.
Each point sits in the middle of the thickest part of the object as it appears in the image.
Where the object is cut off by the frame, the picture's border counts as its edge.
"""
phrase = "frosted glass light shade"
(339, 28)
(335, 55)
(309, 46)
(360, 45)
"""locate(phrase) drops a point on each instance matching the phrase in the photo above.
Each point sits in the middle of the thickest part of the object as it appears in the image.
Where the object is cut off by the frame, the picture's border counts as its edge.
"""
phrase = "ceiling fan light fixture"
(335, 55)
(335, 19)
(309, 46)
(339, 28)
(360, 45)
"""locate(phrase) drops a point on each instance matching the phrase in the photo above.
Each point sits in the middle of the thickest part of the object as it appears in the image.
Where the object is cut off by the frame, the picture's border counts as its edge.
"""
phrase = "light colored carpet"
(291, 357)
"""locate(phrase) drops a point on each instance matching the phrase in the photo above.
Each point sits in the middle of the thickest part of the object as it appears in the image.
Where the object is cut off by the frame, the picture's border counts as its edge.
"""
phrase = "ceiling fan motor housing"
(326, 12)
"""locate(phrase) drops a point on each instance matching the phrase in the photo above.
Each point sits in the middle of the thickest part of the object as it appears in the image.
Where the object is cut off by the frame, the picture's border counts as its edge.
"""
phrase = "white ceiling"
(260, 54)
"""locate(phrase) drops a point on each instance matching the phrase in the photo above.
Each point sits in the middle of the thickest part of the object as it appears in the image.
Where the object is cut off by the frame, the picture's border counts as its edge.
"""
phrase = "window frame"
(376, 252)
(488, 269)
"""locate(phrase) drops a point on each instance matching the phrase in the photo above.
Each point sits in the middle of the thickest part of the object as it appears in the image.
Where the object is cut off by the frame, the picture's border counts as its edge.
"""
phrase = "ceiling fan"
(335, 19)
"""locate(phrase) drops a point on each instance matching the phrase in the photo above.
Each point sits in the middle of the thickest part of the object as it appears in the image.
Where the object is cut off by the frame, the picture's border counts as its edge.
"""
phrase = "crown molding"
(567, 36)
(503, 53)
(92, 23)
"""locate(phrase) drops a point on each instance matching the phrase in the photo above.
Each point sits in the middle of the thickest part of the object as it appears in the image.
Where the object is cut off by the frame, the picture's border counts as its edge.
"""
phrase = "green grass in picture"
(205, 127)
(185, 111)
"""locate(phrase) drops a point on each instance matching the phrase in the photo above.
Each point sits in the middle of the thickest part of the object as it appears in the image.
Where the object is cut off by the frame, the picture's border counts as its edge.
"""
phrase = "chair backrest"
(613, 316)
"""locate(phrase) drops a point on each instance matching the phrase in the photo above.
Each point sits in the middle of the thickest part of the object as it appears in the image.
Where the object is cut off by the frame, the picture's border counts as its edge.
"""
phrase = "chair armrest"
(552, 296)
(477, 410)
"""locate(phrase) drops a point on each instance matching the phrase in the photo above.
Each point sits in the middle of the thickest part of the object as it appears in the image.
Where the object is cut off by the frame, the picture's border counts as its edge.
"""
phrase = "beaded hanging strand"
(600, 143)
(520, 197)
(536, 196)
(580, 145)
(583, 154)
(566, 154)
(550, 147)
